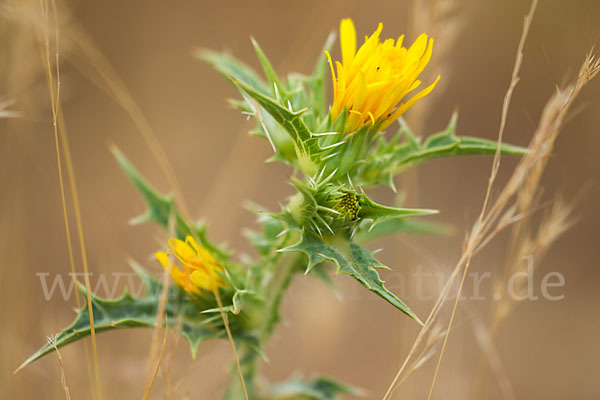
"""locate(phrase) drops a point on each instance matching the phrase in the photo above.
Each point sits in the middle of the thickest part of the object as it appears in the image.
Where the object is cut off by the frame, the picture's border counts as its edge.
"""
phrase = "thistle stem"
(249, 360)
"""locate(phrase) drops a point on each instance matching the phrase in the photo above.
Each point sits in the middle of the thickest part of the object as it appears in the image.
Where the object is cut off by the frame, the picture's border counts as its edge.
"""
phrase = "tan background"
(550, 349)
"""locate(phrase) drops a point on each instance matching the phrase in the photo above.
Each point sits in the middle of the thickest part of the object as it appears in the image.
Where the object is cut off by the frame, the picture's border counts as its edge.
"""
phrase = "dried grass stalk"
(510, 205)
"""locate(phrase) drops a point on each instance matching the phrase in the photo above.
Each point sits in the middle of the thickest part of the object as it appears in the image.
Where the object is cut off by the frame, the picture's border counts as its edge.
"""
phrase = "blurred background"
(549, 349)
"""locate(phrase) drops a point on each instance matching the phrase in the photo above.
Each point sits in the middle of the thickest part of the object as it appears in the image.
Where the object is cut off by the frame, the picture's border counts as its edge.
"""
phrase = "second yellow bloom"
(198, 269)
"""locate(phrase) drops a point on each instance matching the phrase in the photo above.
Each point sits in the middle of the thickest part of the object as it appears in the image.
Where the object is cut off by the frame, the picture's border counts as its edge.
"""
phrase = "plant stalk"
(250, 360)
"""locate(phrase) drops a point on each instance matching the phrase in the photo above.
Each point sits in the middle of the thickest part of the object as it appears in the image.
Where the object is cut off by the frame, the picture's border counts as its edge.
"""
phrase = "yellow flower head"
(372, 84)
(198, 270)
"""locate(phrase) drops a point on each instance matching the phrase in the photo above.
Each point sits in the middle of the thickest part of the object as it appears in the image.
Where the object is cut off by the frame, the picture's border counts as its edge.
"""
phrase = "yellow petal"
(359, 94)
(375, 34)
(200, 279)
(354, 121)
(206, 281)
(418, 47)
(335, 88)
(190, 241)
(338, 102)
(371, 82)
(182, 250)
(371, 117)
(347, 40)
(400, 41)
(163, 258)
(203, 256)
(403, 107)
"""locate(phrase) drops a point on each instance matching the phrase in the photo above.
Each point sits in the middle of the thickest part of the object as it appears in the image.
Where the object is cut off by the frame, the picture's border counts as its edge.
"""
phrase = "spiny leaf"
(231, 67)
(446, 144)
(297, 97)
(321, 388)
(389, 158)
(352, 150)
(268, 69)
(161, 209)
(316, 82)
(460, 146)
(378, 213)
(285, 103)
(291, 121)
(392, 226)
(350, 259)
(268, 128)
(271, 235)
(131, 312)
(408, 135)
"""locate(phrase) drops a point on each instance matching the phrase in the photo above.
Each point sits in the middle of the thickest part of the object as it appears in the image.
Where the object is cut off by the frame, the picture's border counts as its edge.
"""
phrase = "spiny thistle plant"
(336, 152)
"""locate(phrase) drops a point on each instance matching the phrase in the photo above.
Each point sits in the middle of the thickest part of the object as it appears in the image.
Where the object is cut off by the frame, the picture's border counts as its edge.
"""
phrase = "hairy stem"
(250, 361)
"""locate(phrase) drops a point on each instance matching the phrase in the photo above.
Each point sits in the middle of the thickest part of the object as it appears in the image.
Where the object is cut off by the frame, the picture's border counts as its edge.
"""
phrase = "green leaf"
(298, 106)
(447, 144)
(390, 158)
(350, 259)
(272, 234)
(162, 209)
(323, 273)
(321, 388)
(132, 312)
(367, 232)
(290, 120)
(297, 97)
(352, 151)
(268, 69)
(268, 128)
(316, 82)
(232, 68)
(378, 213)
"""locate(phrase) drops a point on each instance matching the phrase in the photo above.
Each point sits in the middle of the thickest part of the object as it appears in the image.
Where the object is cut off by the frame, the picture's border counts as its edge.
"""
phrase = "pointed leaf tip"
(350, 259)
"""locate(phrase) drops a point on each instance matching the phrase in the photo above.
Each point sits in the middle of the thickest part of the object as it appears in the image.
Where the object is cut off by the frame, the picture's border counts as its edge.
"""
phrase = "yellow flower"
(371, 84)
(199, 269)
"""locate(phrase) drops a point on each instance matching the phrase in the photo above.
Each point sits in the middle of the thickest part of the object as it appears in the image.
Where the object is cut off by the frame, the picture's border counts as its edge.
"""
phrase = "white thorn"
(330, 156)
(325, 134)
(258, 115)
(276, 92)
(330, 176)
(331, 146)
